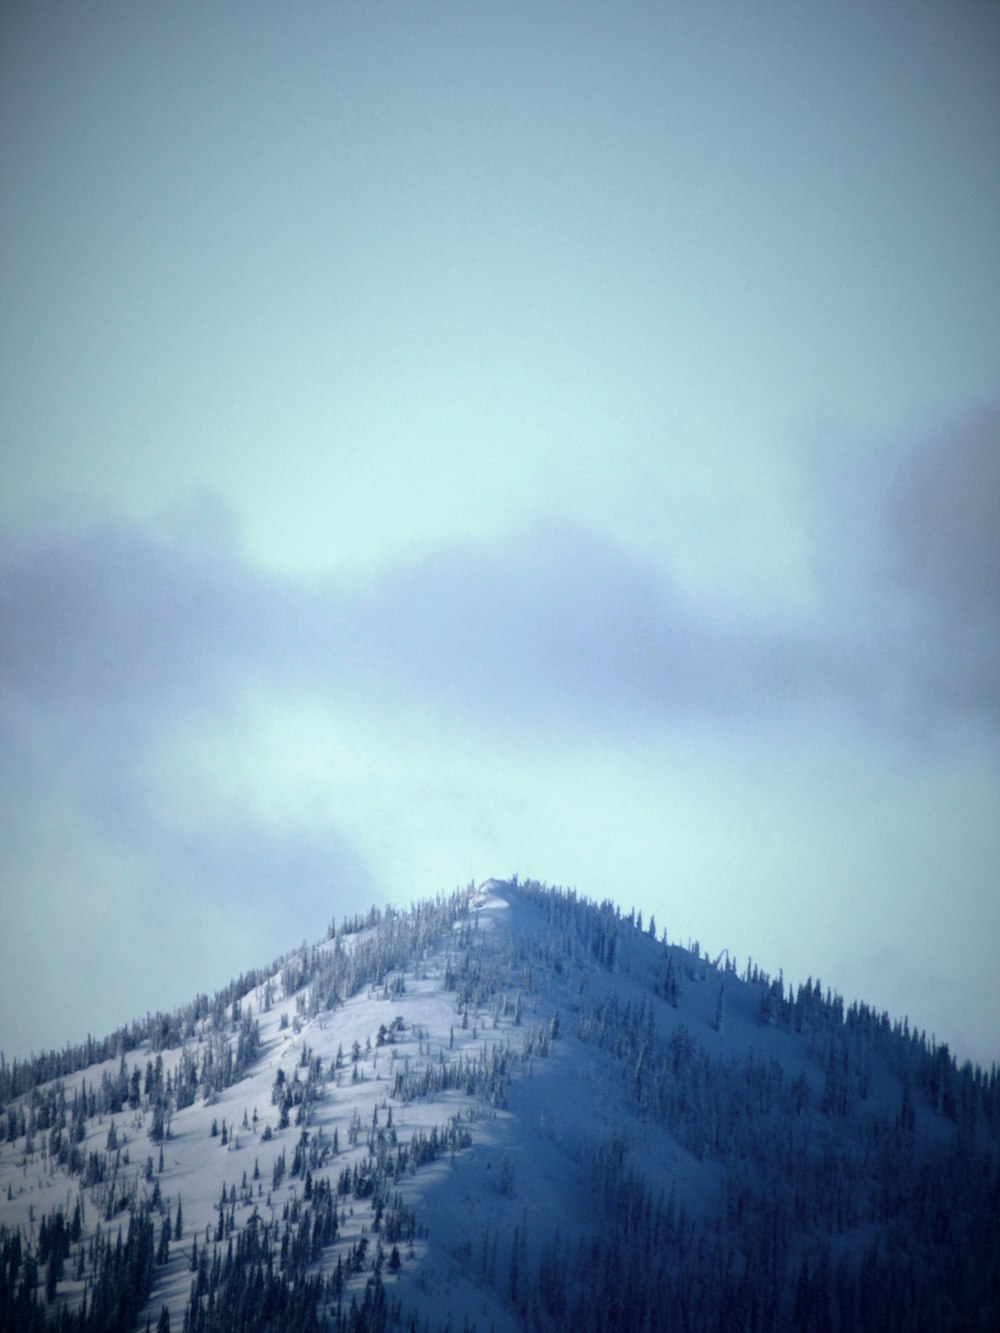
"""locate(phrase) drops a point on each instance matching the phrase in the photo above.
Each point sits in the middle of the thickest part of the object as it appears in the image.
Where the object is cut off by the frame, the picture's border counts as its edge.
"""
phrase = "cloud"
(113, 619)
(907, 557)
(118, 639)
(141, 669)
(943, 558)
(117, 632)
(944, 538)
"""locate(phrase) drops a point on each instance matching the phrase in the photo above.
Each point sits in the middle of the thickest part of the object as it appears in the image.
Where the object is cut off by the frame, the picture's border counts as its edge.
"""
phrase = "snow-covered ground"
(198, 1165)
(502, 1030)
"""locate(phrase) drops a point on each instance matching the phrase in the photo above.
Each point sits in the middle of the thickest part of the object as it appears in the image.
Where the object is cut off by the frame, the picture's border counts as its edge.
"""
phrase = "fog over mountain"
(504, 1108)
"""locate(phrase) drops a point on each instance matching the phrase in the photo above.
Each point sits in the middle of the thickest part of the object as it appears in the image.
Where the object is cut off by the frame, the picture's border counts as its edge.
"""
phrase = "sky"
(446, 440)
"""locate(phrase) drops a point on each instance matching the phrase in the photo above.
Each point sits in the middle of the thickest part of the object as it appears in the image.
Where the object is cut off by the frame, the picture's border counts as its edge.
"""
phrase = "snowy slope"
(529, 1113)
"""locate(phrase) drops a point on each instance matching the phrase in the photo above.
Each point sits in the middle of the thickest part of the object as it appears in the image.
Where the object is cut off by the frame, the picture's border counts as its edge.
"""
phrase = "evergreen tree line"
(232, 1035)
(167, 1031)
(648, 1268)
(122, 1278)
(265, 1278)
(160, 1031)
(862, 1035)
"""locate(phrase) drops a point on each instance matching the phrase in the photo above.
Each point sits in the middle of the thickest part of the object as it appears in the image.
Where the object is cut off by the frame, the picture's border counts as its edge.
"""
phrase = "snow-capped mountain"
(508, 1108)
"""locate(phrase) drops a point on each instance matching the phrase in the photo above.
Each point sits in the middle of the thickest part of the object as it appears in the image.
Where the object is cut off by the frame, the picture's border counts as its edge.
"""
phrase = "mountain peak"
(507, 1107)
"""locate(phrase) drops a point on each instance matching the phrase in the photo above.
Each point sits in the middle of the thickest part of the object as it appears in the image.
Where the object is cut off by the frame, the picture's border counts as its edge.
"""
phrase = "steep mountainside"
(510, 1108)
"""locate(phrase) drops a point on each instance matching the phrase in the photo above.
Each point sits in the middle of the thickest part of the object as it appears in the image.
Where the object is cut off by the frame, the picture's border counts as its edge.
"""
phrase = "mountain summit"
(507, 1108)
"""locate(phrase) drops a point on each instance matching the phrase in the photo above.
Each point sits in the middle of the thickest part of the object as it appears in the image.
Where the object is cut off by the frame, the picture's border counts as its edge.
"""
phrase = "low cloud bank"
(114, 627)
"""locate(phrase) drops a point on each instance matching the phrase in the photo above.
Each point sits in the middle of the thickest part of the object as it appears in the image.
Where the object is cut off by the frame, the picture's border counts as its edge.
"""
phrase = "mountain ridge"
(506, 1108)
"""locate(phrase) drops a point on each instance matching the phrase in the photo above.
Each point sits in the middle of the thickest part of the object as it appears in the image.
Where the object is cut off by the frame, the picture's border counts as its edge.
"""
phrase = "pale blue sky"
(446, 439)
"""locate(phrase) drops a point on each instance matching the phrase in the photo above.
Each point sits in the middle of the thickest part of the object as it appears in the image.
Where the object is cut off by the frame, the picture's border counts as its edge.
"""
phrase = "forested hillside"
(508, 1108)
